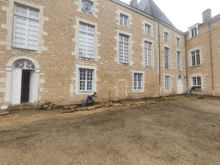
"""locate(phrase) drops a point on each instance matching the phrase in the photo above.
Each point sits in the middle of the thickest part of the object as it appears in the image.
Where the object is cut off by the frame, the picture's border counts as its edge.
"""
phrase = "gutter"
(159, 56)
(210, 38)
(186, 63)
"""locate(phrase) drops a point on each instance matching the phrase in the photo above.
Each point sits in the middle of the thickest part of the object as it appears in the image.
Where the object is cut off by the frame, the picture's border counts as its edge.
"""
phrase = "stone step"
(22, 108)
(4, 112)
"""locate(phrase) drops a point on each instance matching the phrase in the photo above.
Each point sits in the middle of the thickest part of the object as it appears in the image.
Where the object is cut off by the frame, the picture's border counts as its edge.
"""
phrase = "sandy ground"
(179, 131)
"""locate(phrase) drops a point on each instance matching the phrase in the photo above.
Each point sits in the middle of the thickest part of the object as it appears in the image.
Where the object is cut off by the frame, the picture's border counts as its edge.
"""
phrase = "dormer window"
(87, 7)
(194, 32)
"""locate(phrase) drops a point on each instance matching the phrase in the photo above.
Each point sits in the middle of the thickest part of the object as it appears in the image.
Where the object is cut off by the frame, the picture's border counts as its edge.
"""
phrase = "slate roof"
(150, 7)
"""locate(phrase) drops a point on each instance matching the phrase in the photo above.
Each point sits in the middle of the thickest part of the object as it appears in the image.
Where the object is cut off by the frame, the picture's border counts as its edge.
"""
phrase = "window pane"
(197, 58)
(86, 79)
(166, 56)
(194, 81)
(199, 80)
(167, 83)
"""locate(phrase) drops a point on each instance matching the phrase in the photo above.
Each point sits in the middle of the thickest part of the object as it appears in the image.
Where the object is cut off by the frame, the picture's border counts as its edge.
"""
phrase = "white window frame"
(87, 33)
(123, 55)
(179, 61)
(197, 82)
(122, 20)
(86, 80)
(196, 57)
(167, 58)
(148, 54)
(167, 79)
(28, 19)
(193, 30)
(148, 29)
(166, 36)
(178, 41)
(136, 80)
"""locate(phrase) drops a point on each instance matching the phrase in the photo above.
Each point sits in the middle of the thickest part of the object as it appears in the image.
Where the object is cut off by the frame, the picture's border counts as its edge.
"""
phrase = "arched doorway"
(23, 82)
(179, 85)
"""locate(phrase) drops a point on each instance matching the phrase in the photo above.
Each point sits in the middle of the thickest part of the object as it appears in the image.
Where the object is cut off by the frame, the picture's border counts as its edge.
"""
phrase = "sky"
(186, 13)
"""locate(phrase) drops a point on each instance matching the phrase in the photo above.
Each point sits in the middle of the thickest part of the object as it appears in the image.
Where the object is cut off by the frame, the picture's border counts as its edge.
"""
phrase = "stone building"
(61, 51)
(203, 61)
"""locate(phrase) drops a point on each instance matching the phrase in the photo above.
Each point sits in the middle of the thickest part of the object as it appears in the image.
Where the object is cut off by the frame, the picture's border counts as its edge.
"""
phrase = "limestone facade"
(58, 62)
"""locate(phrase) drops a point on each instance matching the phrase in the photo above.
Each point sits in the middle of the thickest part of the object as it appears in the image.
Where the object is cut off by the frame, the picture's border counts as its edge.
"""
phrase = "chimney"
(134, 3)
(207, 16)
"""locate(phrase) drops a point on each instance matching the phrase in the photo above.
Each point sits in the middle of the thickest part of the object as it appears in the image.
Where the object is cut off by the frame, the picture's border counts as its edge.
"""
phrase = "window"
(123, 49)
(26, 28)
(138, 79)
(195, 58)
(87, 6)
(124, 20)
(196, 81)
(178, 61)
(148, 54)
(167, 58)
(167, 83)
(177, 41)
(166, 36)
(86, 80)
(24, 64)
(148, 29)
(86, 40)
(194, 32)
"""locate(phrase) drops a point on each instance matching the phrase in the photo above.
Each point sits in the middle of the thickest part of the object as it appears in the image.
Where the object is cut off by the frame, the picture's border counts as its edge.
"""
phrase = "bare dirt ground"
(181, 131)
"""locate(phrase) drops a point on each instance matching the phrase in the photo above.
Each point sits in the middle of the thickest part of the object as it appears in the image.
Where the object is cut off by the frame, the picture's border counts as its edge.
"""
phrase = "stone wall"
(58, 55)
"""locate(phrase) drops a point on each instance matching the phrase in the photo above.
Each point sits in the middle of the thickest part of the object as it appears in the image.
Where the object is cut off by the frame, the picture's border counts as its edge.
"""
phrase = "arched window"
(24, 64)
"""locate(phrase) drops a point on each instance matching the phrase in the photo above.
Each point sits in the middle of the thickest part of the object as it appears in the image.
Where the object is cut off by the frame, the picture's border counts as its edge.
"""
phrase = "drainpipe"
(210, 39)
(159, 55)
(186, 63)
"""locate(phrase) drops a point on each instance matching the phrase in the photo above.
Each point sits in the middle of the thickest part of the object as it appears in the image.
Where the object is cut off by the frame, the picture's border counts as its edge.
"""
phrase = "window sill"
(24, 49)
(85, 92)
(88, 13)
(124, 63)
(138, 91)
(195, 66)
(125, 26)
(86, 58)
(197, 90)
(150, 67)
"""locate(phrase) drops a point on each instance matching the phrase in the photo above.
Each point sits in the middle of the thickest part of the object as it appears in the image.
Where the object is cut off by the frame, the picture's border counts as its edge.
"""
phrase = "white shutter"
(33, 33)
(20, 32)
(123, 49)
(26, 28)
(148, 54)
(86, 40)
(32, 87)
(166, 58)
(16, 86)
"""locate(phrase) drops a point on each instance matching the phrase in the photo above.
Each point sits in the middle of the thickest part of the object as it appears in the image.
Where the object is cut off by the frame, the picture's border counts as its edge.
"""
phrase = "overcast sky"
(186, 13)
